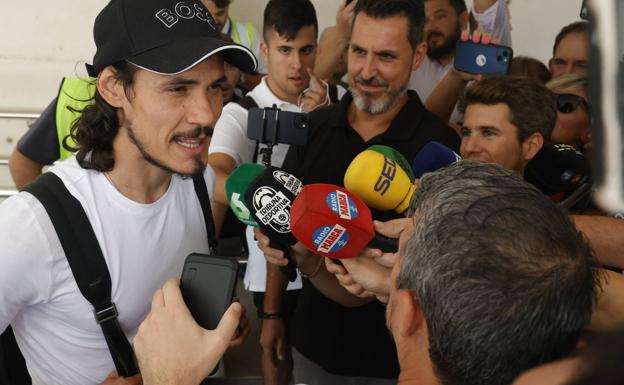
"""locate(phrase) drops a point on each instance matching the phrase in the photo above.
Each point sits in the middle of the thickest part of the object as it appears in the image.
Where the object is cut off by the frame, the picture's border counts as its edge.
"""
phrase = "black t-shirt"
(353, 341)
(40, 143)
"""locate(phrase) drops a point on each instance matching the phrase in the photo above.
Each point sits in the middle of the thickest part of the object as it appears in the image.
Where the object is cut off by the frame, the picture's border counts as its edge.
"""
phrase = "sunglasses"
(567, 103)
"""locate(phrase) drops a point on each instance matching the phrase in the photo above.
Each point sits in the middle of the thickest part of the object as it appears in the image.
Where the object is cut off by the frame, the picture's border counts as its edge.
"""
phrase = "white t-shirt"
(230, 138)
(494, 20)
(143, 244)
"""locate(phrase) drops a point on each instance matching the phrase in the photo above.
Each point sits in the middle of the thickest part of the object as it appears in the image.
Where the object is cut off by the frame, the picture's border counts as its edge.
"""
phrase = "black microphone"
(269, 199)
(561, 172)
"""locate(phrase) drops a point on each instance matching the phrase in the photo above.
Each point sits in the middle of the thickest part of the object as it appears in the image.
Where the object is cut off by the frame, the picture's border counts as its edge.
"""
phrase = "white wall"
(42, 41)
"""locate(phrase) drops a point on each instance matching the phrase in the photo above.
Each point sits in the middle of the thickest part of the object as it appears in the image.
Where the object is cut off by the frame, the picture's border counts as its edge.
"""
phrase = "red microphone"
(331, 221)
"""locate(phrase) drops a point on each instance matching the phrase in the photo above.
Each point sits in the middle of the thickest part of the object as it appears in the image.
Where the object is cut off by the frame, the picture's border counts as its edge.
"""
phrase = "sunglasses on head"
(567, 103)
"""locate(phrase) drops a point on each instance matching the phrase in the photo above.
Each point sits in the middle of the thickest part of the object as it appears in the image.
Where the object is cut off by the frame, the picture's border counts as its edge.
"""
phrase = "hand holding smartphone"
(482, 59)
(207, 286)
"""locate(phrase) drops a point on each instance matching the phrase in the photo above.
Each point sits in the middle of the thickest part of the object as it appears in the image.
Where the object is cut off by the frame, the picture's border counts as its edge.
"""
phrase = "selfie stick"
(267, 152)
(288, 270)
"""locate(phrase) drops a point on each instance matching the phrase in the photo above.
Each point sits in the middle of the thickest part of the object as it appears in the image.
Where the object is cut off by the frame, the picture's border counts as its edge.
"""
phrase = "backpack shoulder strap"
(87, 263)
(333, 94)
(204, 200)
(247, 102)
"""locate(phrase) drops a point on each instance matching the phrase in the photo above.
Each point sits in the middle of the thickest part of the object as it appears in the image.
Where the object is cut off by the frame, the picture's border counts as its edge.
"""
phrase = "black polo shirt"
(353, 341)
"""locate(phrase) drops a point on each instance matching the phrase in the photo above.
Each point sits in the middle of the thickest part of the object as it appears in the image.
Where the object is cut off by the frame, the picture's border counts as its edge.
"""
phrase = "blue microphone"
(433, 156)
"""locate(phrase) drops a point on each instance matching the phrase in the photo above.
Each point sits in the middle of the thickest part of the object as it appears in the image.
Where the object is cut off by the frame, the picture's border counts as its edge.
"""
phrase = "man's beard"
(364, 100)
(199, 165)
(446, 47)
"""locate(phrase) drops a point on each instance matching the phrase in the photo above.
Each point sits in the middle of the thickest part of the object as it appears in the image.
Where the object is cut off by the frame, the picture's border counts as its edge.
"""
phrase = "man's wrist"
(311, 271)
(271, 315)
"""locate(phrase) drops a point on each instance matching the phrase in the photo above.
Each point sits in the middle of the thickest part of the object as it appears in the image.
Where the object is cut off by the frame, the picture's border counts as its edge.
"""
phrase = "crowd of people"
(494, 280)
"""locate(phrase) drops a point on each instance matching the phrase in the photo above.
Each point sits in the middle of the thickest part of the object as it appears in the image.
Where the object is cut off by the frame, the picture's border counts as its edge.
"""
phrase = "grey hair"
(503, 278)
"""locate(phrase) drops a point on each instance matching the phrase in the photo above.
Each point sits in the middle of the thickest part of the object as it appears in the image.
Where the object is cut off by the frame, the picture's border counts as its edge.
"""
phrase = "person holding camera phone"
(446, 19)
(289, 48)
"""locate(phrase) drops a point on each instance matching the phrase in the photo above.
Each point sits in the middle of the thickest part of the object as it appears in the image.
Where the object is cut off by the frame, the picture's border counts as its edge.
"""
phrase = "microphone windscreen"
(379, 182)
(396, 156)
(331, 221)
(433, 156)
(235, 186)
(269, 198)
(558, 170)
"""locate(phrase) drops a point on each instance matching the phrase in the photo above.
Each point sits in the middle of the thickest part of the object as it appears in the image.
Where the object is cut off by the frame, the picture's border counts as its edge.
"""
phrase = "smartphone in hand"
(482, 59)
(208, 284)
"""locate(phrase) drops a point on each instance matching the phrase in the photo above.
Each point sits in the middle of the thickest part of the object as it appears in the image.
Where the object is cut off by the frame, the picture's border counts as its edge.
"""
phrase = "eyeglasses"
(568, 103)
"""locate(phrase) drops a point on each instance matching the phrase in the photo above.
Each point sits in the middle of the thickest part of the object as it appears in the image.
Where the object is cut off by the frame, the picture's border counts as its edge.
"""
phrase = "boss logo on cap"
(184, 10)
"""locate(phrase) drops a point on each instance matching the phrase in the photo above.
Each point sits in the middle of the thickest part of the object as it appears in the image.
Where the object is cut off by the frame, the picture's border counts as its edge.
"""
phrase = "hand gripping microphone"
(379, 182)
(396, 156)
(561, 172)
(333, 222)
(432, 157)
(235, 186)
(269, 198)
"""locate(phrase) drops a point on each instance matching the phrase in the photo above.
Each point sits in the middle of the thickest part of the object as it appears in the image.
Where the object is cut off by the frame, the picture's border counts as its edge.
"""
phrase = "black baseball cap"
(161, 36)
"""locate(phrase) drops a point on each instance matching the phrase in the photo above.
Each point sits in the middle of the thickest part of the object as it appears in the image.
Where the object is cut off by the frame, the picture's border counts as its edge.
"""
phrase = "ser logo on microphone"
(272, 208)
(388, 171)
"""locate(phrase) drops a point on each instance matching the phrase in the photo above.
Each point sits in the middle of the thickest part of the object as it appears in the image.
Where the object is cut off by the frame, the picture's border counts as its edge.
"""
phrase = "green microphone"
(395, 156)
(235, 186)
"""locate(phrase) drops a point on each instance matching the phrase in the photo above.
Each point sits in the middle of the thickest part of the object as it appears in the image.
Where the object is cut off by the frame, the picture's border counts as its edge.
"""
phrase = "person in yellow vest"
(243, 34)
(43, 142)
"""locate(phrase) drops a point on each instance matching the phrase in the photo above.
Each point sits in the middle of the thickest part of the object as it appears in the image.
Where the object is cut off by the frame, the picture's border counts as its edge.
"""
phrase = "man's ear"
(419, 55)
(264, 50)
(550, 65)
(409, 315)
(532, 145)
(110, 88)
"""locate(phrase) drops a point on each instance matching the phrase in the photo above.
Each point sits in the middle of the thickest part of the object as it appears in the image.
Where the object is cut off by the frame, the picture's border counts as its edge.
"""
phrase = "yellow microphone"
(379, 181)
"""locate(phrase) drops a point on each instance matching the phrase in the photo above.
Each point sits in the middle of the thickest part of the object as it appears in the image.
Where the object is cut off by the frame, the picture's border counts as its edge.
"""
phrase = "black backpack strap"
(87, 263)
(204, 200)
(333, 94)
(247, 102)
(13, 369)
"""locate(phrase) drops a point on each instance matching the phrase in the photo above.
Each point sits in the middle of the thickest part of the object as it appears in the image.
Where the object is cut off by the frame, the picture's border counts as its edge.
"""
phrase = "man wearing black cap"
(159, 69)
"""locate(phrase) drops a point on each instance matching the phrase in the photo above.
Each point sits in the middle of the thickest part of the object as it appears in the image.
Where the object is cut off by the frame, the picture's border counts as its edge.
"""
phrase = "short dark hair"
(413, 10)
(221, 3)
(504, 279)
(98, 125)
(287, 17)
(532, 105)
(458, 5)
(525, 66)
(576, 27)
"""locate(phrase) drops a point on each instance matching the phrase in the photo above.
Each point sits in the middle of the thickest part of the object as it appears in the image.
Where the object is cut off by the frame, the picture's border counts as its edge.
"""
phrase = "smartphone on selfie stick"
(271, 126)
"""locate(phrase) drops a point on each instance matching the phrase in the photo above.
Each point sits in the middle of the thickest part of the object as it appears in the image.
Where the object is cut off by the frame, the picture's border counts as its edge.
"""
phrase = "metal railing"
(19, 115)
(5, 193)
